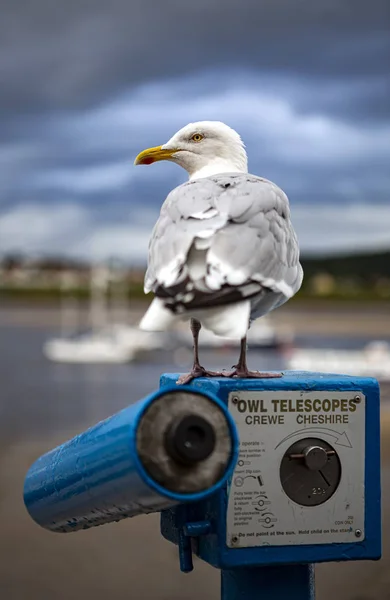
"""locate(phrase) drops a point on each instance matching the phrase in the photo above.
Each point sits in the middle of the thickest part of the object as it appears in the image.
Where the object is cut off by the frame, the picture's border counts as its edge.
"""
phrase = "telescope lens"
(184, 442)
(190, 439)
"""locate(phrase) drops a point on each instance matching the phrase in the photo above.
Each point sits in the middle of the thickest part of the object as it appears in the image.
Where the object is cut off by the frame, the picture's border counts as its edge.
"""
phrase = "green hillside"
(361, 277)
(368, 266)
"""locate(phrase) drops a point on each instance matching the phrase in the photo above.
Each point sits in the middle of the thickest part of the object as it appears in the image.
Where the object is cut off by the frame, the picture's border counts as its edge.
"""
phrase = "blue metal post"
(295, 582)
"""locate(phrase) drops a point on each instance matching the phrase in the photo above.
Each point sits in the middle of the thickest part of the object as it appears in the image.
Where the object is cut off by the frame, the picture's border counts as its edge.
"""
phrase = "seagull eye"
(197, 137)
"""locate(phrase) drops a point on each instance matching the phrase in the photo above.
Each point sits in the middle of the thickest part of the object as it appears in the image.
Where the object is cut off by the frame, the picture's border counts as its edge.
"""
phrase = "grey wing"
(221, 239)
(188, 214)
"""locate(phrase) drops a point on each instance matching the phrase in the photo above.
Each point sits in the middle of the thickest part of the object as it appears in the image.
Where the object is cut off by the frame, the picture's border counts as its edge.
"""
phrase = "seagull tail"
(157, 317)
(230, 321)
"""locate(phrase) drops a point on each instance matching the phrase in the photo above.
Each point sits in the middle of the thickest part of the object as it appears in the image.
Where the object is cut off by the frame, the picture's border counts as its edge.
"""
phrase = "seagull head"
(204, 148)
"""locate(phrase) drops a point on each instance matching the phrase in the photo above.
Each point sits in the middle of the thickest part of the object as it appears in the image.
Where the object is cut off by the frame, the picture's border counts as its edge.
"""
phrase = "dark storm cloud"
(86, 85)
(87, 156)
(70, 54)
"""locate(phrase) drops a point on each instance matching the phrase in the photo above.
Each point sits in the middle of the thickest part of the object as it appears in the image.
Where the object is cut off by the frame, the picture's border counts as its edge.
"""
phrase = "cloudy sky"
(87, 84)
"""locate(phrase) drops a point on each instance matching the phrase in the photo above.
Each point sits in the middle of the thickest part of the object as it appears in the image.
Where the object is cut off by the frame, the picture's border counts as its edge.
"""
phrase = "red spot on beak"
(148, 160)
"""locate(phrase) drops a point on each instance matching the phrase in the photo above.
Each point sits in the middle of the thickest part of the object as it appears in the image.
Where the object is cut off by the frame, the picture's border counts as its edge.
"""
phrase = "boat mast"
(69, 306)
(99, 282)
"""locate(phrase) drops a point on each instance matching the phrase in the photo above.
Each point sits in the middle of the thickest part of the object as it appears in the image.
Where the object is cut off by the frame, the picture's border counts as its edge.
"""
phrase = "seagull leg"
(240, 370)
(197, 369)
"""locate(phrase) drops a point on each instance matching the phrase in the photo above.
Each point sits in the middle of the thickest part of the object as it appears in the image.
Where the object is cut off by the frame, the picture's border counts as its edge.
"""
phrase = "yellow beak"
(151, 155)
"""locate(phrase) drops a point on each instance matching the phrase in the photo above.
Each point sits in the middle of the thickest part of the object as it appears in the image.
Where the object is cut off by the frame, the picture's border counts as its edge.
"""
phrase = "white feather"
(157, 317)
(230, 321)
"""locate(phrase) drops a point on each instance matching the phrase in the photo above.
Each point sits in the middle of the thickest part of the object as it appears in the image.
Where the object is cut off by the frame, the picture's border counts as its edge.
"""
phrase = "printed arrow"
(341, 438)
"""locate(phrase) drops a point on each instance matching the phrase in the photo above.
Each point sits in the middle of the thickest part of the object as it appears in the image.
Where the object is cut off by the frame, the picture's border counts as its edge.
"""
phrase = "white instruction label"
(279, 495)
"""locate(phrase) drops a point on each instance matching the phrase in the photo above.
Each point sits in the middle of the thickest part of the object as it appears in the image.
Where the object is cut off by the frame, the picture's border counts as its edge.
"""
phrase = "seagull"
(223, 251)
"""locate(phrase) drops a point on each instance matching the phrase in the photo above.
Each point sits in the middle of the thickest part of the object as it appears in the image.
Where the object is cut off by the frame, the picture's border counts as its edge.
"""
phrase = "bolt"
(358, 533)
(235, 399)
(357, 399)
(234, 539)
(315, 457)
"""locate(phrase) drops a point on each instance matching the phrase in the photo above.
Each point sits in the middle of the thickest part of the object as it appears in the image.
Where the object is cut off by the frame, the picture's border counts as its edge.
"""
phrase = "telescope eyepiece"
(190, 439)
(184, 442)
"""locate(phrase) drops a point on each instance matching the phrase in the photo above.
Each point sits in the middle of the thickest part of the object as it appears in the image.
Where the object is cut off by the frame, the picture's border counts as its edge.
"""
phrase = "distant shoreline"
(322, 318)
(53, 297)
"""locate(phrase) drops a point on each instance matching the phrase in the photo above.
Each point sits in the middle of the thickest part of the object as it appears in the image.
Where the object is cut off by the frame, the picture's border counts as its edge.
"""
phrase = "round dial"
(310, 471)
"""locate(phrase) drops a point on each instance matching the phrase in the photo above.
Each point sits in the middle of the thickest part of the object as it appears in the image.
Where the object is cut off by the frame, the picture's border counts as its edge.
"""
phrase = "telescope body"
(302, 488)
(177, 445)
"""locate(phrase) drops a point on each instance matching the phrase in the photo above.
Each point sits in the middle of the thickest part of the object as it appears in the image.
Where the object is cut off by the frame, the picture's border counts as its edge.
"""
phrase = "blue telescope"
(302, 488)
(176, 446)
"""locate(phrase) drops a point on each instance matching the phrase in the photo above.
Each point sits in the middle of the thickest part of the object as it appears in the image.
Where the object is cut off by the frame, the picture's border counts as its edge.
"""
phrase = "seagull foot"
(197, 371)
(244, 373)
